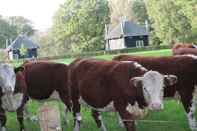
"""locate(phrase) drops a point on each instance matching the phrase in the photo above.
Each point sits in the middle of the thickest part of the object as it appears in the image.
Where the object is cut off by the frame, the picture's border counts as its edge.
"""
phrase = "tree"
(189, 9)
(139, 11)
(169, 22)
(21, 24)
(11, 27)
(120, 9)
(6, 32)
(78, 25)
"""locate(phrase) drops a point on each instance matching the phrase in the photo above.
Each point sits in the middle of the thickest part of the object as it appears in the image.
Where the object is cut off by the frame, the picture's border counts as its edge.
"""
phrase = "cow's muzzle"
(156, 106)
(11, 102)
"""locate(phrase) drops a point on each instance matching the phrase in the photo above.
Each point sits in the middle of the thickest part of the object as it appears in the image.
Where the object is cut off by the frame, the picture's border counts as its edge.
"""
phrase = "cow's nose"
(156, 106)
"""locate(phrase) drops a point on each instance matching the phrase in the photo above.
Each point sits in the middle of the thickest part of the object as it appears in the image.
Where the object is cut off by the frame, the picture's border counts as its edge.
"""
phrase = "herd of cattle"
(103, 85)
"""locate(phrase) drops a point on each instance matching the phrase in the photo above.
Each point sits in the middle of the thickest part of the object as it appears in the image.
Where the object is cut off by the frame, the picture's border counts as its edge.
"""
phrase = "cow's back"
(184, 67)
(166, 65)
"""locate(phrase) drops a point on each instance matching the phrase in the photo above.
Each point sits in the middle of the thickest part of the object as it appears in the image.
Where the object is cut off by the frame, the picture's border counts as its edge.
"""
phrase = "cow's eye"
(145, 90)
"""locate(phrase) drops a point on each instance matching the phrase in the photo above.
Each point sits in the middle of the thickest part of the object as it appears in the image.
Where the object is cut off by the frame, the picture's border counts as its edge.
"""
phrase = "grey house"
(22, 47)
(126, 34)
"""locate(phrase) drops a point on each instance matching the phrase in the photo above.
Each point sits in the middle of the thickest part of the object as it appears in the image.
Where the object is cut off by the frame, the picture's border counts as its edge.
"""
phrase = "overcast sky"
(40, 12)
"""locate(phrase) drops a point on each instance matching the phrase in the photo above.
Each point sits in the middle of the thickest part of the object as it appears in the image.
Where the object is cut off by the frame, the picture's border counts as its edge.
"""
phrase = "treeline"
(11, 27)
(79, 25)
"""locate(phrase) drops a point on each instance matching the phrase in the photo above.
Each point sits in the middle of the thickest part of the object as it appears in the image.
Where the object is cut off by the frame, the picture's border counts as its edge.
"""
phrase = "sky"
(40, 12)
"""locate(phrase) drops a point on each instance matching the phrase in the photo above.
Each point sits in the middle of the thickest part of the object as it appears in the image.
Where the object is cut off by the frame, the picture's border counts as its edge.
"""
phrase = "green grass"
(172, 118)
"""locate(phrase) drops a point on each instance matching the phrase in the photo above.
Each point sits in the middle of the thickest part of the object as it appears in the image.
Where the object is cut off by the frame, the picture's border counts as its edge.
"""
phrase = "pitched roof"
(22, 41)
(126, 28)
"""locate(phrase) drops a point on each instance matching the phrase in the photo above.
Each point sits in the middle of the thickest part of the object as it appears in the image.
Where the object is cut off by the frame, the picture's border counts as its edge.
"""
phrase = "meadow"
(172, 118)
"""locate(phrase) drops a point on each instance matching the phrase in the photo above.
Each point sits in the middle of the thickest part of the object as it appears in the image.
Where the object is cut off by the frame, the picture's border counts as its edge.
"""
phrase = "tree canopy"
(79, 24)
(11, 27)
(170, 19)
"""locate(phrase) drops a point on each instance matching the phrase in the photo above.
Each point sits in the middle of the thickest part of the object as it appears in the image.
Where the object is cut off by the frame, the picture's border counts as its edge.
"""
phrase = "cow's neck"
(139, 98)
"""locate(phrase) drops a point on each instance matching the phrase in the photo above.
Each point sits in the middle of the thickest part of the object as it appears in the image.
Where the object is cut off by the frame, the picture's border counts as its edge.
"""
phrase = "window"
(139, 43)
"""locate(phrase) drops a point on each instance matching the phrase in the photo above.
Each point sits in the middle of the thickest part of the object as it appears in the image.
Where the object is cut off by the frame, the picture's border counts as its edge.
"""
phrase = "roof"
(124, 29)
(22, 41)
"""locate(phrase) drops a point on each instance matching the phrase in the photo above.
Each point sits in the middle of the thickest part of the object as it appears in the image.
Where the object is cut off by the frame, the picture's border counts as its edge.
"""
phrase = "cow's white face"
(7, 78)
(153, 84)
(11, 102)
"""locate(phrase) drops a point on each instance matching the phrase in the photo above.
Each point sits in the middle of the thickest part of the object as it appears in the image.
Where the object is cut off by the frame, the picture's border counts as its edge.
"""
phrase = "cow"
(114, 86)
(40, 80)
(9, 100)
(184, 67)
(182, 49)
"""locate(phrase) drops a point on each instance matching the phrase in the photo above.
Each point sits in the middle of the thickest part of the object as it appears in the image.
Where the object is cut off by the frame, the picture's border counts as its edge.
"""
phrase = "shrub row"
(97, 53)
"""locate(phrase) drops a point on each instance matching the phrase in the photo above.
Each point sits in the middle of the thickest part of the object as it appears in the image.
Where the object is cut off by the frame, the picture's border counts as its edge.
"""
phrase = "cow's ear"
(136, 81)
(17, 69)
(170, 80)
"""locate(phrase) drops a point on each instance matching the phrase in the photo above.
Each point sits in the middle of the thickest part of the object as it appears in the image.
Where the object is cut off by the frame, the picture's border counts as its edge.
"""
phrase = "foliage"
(169, 21)
(189, 9)
(139, 11)
(22, 24)
(79, 25)
(120, 9)
(6, 32)
(11, 27)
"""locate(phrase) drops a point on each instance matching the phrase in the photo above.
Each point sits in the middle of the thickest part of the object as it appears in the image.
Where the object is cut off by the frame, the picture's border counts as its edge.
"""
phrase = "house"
(22, 47)
(125, 35)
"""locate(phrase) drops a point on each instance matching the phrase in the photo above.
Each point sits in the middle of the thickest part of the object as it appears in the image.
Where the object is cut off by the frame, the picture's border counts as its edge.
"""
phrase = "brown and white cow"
(39, 81)
(183, 49)
(8, 100)
(114, 86)
(184, 67)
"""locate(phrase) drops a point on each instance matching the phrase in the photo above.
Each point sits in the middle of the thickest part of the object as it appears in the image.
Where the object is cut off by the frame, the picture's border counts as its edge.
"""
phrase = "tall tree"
(6, 32)
(79, 24)
(189, 9)
(139, 11)
(120, 9)
(22, 24)
(170, 23)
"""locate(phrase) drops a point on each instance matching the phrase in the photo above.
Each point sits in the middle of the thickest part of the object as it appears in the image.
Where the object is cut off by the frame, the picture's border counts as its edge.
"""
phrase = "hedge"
(97, 53)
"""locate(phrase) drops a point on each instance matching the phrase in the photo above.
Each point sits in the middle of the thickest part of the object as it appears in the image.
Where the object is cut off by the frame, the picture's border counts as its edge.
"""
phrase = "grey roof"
(124, 29)
(22, 40)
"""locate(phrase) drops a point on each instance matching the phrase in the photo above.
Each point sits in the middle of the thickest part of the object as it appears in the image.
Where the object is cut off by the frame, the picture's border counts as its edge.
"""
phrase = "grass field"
(172, 118)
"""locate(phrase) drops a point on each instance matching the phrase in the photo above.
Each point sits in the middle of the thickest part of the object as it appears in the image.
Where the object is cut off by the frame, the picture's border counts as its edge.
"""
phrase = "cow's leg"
(65, 97)
(20, 118)
(19, 112)
(77, 116)
(190, 106)
(2, 119)
(127, 118)
(98, 119)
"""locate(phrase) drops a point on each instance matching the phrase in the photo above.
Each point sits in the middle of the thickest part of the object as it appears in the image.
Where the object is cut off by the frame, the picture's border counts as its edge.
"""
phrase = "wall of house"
(14, 54)
(116, 44)
(32, 53)
(10, 53)
(136, 41)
